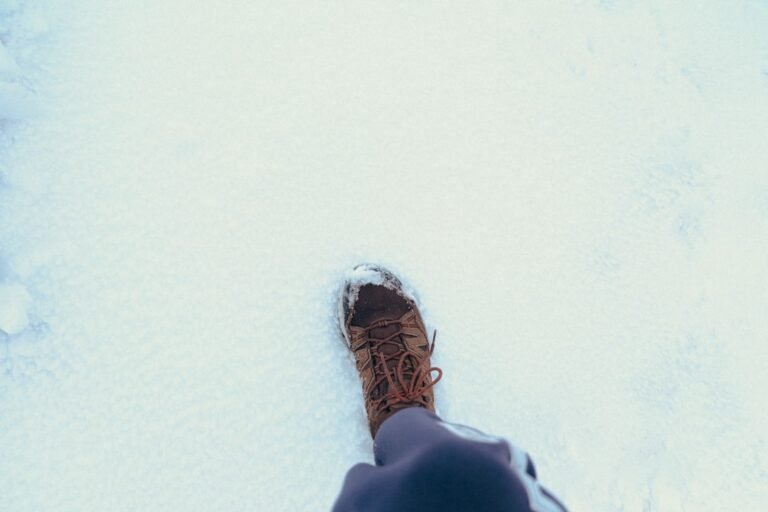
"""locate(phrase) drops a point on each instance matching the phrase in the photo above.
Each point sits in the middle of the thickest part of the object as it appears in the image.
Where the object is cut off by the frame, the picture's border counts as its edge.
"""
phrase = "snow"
(14, 302)
(577, 190)
(363, 274)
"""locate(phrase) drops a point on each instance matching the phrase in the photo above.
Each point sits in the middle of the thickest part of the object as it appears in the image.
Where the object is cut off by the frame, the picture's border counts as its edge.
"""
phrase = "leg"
(425, 464)
(422, 463)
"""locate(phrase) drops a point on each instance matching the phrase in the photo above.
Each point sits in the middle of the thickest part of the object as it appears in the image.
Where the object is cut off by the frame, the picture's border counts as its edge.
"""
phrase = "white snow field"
(578, 190)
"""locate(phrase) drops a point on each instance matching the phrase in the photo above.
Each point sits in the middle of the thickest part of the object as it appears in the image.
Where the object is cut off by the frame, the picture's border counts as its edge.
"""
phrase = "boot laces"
(408, 379)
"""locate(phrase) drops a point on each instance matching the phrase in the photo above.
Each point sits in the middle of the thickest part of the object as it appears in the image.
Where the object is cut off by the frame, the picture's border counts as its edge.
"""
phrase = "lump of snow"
(14, 303)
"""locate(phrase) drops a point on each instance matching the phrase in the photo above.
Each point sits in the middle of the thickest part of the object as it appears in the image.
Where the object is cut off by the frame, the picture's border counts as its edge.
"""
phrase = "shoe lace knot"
(403, 376)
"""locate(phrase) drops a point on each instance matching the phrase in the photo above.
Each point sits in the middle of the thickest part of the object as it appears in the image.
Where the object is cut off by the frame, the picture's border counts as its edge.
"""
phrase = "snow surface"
(578, 190)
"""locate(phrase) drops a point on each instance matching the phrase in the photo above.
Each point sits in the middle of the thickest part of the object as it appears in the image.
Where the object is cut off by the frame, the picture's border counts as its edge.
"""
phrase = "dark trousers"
(426, 464)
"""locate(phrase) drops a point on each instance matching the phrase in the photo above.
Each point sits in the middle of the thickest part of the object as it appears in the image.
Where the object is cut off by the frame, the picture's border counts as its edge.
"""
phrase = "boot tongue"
(384, 333)
(394, 346)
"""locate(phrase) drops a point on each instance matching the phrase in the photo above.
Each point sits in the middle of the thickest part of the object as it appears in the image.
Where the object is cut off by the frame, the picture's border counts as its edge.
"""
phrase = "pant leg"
(426, 464)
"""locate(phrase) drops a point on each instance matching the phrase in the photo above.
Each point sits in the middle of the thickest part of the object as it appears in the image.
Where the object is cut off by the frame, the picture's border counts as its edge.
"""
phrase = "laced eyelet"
(409, 380)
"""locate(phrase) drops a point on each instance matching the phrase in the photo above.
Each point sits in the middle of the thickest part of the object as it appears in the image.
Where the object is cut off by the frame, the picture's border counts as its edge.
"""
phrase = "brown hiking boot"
(384, 330)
